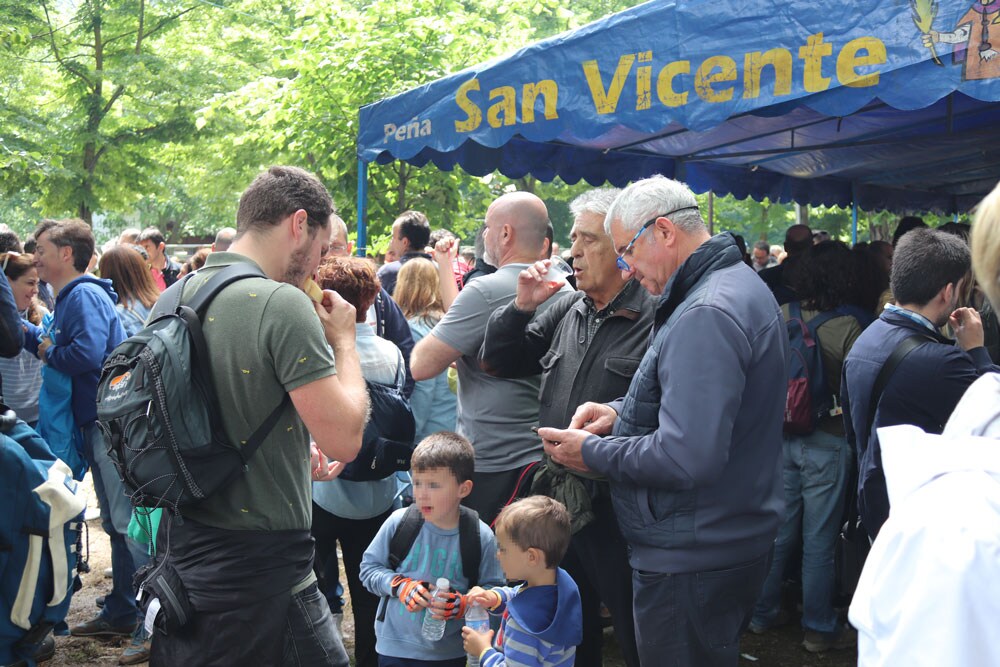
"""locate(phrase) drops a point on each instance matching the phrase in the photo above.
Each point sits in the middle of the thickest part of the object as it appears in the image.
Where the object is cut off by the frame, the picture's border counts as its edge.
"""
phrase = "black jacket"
(554, 344)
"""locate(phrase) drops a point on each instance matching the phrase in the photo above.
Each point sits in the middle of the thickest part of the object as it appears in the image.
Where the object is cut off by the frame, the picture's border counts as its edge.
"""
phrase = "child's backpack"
(39, 539)
(468, 543)
(157, 406)
(808, 395)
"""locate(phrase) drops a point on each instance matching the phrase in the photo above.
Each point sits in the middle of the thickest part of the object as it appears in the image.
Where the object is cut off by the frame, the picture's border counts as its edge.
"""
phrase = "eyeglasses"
(620, 261)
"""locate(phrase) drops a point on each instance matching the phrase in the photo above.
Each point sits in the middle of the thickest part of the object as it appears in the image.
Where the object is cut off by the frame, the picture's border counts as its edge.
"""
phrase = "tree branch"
(55, 49)
(114, 97)
(159, 26)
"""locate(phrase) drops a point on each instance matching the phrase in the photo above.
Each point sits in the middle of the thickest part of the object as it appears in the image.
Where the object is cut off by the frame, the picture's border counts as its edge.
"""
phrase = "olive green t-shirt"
(264, 339)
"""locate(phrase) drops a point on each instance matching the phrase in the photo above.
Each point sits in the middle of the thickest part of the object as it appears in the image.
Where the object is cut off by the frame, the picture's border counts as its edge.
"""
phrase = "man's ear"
(465, 488)
(667, 228)
(298, 224)
(65, 254)
(948, 292)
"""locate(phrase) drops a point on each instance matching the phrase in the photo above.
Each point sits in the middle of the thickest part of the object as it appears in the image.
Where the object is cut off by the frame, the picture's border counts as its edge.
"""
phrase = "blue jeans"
(816, 469)
(695, 619)
(127, 555)
(311, 636)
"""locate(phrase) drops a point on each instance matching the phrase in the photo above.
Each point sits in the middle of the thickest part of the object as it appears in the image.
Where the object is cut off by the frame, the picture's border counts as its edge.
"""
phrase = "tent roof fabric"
(822, 104)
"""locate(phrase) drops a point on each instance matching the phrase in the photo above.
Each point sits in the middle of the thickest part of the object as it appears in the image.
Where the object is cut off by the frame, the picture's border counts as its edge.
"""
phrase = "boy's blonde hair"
(986, 246)
(537, 522)
(445, 449)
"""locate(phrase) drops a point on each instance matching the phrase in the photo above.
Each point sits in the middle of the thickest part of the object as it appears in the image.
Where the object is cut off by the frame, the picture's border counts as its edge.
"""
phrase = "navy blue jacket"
(392, 325)
(695, 456)
(86, 328)
(923, 391)
(11, 333)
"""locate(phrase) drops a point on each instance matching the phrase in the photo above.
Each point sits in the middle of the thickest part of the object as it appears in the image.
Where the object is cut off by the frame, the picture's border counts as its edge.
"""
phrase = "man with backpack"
(243, 556)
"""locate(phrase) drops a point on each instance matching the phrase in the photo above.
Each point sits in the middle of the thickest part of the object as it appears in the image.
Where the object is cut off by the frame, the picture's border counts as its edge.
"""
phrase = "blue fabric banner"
(748, 99)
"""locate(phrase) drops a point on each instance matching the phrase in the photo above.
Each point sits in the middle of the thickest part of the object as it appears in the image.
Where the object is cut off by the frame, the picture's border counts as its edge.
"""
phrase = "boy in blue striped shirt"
(542, 621)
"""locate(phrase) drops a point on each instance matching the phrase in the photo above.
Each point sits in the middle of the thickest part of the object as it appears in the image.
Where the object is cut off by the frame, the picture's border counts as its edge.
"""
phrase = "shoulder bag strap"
(902, 349)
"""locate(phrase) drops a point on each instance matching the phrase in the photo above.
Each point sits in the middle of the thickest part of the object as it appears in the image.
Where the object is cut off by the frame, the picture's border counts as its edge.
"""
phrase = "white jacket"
(930, 590)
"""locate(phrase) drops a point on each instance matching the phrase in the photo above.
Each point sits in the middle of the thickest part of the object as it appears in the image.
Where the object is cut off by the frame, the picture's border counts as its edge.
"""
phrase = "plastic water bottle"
(433, 628)
(477, 619)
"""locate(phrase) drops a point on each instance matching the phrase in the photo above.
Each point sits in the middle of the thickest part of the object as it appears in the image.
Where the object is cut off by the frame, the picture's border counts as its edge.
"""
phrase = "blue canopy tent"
(891, 105)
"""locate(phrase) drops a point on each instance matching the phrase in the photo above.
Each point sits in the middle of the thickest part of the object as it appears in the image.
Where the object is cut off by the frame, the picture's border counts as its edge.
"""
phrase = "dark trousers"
(695, 619)
(354, 536)
(597, 559)
(492, 490)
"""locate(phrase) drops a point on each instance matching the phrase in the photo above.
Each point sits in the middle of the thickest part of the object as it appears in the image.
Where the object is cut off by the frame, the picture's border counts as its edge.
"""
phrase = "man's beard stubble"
(297, 270)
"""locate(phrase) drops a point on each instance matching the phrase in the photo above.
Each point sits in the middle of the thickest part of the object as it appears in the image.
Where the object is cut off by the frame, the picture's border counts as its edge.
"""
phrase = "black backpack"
(387, 444)
(808, 396)
(468, 543)
(158, 409)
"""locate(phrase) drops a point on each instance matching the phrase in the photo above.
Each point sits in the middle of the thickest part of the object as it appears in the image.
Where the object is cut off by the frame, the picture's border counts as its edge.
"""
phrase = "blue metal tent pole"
(362, 208)
(854, 214)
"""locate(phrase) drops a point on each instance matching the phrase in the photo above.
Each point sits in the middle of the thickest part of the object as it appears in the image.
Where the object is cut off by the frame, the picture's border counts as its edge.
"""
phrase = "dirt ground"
(779, 648)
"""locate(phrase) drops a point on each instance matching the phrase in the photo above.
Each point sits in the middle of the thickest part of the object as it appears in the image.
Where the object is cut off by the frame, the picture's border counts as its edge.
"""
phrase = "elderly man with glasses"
(693, 450)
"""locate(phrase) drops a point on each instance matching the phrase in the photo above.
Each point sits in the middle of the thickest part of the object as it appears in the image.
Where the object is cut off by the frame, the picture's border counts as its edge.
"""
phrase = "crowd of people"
(613, 447)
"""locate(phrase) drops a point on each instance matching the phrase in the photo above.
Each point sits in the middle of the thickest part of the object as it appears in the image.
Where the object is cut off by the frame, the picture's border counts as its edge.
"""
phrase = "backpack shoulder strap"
(903, 348)
(405, 535)
(469, 544)
(222, 279)
(192, 313)
(821, 319)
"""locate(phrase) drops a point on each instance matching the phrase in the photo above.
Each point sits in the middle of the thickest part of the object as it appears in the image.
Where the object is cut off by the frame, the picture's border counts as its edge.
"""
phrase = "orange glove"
(455, 605)
(409, 591)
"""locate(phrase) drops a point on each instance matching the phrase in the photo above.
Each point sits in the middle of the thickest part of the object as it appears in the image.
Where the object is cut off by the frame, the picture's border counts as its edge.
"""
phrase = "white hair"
(596, 201)
(651, 197)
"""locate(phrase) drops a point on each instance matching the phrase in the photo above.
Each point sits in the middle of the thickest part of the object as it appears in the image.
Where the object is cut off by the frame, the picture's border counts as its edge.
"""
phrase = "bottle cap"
(443, 584)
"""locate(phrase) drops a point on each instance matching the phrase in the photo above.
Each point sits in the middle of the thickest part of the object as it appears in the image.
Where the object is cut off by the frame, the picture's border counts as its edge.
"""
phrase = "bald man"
(495, 414)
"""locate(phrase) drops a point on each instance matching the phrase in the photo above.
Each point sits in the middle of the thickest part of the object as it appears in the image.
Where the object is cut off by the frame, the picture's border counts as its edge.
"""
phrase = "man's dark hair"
(9, 240)
(824, 276)
(152, 234)
(797, 239)
(907, 224)
(550, 236)
(77, 235)
(279, 192)
(43, 226)
(414, 227)
(762, 245)
(445, 449)
(925, 261)
(962, 230)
